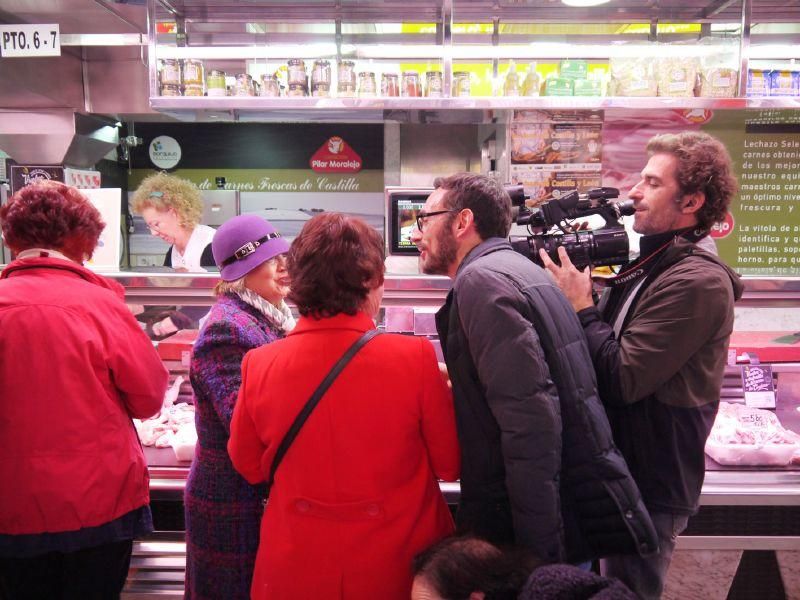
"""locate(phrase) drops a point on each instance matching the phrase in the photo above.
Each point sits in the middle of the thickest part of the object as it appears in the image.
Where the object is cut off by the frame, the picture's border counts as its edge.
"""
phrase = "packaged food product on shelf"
(346, 79)
(758, 82)
(461, 84)
(558, 86)
(215, 83)
(632, 77)
(532, 84)
(718, 82)
(193, 90)
(321, 90)
(193, 72)
(170, 90)
(410, 87)
(587, 87)
(296, 90)
(511, 82)
(170, 73)
(390, 86)
(367, 87)
(573, 69)
(676, 75)
(296, 73)
(269, 86)
(784, 83)
(718, 75)
(434, 84)
(244, 85)
(321, 73)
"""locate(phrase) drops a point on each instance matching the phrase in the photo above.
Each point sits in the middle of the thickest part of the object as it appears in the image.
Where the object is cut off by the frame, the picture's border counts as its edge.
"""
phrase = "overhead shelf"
(311, 105)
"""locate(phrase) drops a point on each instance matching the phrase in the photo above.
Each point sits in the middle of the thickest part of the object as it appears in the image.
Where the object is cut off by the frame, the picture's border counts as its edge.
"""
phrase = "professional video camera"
(605, 246)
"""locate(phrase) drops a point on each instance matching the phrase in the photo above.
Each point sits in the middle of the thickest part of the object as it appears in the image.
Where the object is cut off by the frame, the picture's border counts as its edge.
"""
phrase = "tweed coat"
(223, 511)
(356, 496)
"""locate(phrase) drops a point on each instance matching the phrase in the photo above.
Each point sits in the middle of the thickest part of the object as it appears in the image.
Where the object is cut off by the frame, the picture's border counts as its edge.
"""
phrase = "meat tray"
(742, 455)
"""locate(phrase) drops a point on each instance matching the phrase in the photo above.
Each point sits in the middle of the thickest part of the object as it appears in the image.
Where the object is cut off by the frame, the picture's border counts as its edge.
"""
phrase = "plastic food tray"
(776, 455)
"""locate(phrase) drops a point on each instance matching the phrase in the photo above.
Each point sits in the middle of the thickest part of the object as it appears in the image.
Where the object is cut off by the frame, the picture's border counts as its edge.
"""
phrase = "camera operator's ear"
(693, 202)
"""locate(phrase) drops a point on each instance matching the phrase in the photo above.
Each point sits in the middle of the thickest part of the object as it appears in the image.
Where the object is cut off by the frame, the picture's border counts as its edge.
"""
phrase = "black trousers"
(91, 574)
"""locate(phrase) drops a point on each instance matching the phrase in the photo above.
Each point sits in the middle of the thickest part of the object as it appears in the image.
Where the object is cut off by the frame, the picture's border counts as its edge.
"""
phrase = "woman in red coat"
(356, 495)
(74, 368)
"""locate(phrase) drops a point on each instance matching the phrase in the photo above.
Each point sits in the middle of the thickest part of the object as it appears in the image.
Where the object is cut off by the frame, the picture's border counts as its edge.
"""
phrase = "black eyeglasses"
(423, 215)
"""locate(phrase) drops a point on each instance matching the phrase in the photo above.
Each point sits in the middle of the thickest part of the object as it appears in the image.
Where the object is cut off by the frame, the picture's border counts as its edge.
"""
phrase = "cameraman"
(659, 337)
(522, 384)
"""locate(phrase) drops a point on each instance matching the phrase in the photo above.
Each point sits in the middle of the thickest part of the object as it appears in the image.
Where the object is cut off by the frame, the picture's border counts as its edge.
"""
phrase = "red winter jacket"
(74, 368)
(356, 496)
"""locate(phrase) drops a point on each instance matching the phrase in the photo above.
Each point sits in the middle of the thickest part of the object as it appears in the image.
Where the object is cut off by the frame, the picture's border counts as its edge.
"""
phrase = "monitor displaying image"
(403, 209)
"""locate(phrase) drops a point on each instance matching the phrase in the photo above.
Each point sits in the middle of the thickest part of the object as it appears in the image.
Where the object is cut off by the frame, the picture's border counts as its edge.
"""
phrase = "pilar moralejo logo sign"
(335, 156)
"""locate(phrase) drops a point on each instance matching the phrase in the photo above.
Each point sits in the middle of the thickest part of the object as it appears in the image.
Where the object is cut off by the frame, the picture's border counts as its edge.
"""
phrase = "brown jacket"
(660, 381)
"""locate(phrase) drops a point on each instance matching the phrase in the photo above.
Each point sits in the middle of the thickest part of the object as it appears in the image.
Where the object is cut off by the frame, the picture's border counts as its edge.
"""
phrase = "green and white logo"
(165, 152)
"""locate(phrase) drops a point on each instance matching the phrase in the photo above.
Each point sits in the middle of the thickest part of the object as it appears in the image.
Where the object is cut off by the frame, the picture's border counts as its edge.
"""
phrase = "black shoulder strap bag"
(300, 419)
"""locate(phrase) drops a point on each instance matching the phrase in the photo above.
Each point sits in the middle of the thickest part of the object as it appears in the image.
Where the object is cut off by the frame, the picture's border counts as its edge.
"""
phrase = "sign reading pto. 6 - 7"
(29, 40)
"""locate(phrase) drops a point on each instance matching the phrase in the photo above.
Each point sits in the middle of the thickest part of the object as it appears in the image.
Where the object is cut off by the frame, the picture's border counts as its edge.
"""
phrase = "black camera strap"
(641, 268)
(312, 402)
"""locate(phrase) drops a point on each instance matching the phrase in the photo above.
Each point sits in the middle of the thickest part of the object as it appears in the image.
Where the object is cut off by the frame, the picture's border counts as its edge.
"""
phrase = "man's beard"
(439, 263)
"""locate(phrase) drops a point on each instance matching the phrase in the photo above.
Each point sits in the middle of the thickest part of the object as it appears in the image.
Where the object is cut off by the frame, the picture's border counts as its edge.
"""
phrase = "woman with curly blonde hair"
(172, 208)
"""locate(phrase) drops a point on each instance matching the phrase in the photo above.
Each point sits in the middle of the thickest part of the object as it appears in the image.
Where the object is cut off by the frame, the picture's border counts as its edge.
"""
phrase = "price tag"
(759, 390)
(29, 40)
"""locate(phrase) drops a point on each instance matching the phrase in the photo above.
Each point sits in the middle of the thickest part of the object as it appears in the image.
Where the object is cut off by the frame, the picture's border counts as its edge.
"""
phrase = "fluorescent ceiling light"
(584, 2)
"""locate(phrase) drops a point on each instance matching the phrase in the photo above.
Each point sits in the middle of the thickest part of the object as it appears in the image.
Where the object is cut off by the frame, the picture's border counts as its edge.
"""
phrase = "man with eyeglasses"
(538, 466)
(659, 337)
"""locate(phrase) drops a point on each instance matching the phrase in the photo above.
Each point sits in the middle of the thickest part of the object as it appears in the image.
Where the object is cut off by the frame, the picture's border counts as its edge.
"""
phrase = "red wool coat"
(74, 368)
(356, 495)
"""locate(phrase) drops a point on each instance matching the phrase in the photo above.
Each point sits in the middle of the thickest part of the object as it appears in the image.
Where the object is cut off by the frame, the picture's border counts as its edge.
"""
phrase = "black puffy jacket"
(539, 467)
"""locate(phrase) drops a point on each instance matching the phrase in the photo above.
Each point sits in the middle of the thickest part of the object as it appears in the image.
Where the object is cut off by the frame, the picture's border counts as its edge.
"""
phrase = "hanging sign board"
(29, 40)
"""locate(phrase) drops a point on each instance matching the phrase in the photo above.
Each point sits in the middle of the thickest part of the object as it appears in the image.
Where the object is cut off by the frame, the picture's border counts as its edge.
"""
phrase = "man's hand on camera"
(576, 285)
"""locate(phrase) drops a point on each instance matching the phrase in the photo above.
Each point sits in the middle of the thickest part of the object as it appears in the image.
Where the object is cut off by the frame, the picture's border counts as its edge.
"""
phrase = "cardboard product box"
(573, 69)
(587, 87)
(558, 86)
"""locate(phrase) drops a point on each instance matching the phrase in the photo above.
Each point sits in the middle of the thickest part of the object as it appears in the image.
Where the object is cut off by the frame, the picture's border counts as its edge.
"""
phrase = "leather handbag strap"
(300, 419)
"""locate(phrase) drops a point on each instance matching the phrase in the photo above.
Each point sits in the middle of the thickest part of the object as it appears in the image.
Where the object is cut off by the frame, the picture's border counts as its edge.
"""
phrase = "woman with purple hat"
(223, 511)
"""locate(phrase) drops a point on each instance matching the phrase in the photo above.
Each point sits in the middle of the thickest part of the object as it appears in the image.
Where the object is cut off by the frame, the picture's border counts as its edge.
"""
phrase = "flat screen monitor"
(402, 212)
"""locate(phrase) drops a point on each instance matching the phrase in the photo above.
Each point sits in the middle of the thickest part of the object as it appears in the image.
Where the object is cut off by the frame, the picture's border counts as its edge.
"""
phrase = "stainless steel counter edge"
(721, 488)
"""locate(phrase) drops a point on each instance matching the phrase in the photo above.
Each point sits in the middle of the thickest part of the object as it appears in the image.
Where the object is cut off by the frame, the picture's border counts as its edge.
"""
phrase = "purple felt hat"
(243, 243)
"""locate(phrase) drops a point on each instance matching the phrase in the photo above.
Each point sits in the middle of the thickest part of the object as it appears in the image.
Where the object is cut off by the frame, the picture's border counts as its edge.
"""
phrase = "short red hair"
(333, 264)
(51, 215)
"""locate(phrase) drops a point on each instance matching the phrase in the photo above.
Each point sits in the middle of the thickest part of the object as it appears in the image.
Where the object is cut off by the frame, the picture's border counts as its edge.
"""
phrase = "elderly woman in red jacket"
(356, 495)
(74, 368)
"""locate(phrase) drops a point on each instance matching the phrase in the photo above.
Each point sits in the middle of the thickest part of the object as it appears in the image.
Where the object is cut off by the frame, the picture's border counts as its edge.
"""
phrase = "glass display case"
(750, 508)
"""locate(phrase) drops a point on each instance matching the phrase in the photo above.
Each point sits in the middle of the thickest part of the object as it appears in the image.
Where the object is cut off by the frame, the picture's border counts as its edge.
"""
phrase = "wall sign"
(759, 389)
(30, 40)
(335, 156)
(22, 175)
(165, 152)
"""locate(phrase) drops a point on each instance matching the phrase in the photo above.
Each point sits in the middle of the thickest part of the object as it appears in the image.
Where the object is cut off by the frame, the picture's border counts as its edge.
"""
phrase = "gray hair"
(229, 287)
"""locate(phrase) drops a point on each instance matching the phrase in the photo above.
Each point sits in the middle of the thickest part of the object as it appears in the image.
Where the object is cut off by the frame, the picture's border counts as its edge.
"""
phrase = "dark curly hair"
(51, 215)
(485, 197)
(704, 165)
(457, 566)
(333, 264)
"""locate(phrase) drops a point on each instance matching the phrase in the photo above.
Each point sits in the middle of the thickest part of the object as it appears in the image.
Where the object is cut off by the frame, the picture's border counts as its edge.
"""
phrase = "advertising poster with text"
(761, 234)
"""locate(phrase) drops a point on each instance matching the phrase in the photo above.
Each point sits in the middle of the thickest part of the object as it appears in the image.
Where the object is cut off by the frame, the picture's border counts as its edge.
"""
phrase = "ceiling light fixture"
(584, 2)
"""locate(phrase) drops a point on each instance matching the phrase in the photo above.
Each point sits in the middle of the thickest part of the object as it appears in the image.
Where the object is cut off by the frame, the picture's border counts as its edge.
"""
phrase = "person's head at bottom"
(469, 568)
(49, 215)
